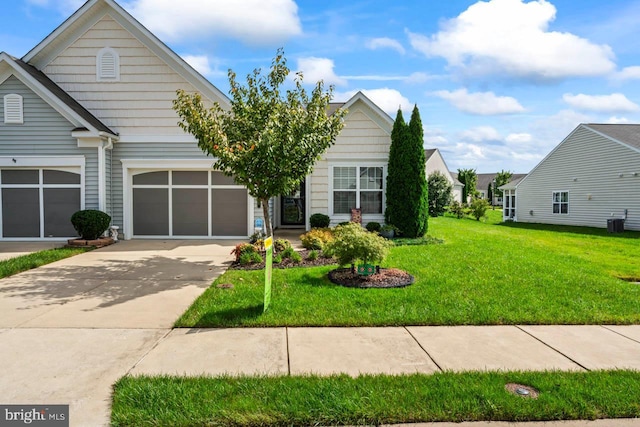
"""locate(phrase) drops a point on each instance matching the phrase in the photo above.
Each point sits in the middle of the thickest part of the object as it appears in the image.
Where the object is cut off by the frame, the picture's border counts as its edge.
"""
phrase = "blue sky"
(498, 83)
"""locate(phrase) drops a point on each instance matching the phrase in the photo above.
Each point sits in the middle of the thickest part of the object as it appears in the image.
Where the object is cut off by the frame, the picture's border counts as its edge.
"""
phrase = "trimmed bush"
(90, 224)
(316, 238)
(250, 258)
(243, 248)
(373, 226)
(318, 220)
(281, 244)
(355, 244)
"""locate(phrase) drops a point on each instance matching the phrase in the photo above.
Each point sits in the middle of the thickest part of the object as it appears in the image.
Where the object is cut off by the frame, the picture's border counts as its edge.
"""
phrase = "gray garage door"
(186, 204)
(38, 203)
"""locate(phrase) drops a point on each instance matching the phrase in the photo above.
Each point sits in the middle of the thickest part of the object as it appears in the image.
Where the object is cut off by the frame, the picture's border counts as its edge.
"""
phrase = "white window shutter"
(13, 109)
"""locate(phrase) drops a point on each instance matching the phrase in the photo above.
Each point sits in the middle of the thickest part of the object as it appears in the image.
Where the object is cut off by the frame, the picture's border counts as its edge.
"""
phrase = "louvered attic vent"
(108, 65)
(13, 109)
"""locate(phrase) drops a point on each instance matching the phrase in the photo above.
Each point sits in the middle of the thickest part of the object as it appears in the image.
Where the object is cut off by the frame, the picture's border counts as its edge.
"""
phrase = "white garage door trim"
(131, 167)
(75, 164)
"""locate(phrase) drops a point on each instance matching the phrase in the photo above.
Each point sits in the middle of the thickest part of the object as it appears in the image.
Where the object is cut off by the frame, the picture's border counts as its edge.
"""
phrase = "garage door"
(38, 203)
(188, 204)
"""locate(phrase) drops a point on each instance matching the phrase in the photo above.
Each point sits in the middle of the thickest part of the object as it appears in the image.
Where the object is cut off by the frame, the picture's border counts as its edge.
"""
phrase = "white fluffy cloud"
(518, 138)
(617, 120)
(616, 102)
(200, 63)
(385, 43)
(480, 134)
(256, 22)
(628, 73)
(481, 103)
(512, 37)
(387, 99)
(316, 69)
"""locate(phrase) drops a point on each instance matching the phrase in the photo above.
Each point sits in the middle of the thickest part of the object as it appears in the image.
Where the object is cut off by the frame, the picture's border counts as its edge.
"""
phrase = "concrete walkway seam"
(162, 338)
(286, 331)
(423, 349)
(554, 349)
(621, 334)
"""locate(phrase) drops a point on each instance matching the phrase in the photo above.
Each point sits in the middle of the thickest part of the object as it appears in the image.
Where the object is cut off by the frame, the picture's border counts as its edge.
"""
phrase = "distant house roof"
(333, 107)
(625, 133)
(428, 153)
(486, 179)
(513, 183)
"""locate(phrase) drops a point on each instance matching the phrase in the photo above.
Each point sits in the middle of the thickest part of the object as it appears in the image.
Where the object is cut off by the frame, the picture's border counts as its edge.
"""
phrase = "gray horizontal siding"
(588, 166)
(44, 133)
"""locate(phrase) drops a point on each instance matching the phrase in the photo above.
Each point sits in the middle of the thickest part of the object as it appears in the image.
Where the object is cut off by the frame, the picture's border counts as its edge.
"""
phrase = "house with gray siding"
(87, 122)
(592, 176)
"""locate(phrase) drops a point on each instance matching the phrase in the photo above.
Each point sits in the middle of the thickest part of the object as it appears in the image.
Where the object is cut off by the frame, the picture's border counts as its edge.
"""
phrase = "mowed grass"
(485, 273)
(372, 400)
(21, 263)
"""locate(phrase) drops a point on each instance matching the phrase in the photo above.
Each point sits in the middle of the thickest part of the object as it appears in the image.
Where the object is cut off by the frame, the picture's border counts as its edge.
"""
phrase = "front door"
(292, 209)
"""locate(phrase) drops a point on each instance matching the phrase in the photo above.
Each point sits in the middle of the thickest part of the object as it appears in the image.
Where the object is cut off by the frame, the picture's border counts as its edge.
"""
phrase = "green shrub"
(280, 245)
(313, 255)
(344, 223)
(243, 248)
(373, 226)
(277, 259)
(440, 193)
(316, 238)
(327, 252)
(90, 224)
(288, 252)
(479, 208)
(296, 257)
(318, 220)
(355, 244)
(250, 258)
(456, 208)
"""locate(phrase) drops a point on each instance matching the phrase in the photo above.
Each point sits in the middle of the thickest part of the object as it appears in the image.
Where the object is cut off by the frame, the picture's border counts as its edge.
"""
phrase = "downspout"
(102, 179)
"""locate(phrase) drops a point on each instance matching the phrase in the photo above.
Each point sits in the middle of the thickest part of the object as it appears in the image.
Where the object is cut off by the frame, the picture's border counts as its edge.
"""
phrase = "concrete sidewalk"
(393, 350)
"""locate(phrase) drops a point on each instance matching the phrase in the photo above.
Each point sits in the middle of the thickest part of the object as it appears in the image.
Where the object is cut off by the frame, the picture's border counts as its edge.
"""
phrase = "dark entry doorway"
(292, 207)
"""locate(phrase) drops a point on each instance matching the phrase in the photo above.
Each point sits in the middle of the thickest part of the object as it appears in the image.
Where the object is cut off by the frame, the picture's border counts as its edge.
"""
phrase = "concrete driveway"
(70, 329)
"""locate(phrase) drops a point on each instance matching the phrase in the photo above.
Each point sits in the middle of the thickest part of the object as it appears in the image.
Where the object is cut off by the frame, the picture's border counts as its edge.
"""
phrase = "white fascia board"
(164, 164)
(42, 161)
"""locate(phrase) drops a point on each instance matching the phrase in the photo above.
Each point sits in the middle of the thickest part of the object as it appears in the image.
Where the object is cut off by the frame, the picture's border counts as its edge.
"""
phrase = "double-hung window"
(560, 202)
(358, 187)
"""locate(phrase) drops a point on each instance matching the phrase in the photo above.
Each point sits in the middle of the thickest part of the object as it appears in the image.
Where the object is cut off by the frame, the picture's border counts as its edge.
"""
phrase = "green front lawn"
(372, 400)
(484, 273)
(21, 263)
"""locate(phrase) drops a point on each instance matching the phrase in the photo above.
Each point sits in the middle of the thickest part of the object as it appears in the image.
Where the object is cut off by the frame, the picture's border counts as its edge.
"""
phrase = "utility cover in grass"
(386, 278)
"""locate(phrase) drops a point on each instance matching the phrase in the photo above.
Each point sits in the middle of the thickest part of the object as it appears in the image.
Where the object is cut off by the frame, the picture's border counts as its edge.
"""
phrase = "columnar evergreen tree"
(469, 178)
(407, 192)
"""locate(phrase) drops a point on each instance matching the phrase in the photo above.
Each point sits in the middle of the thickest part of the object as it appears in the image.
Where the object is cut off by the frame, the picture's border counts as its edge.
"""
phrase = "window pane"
(564, 208)
(18, 176)
(59, 205)
(371, 202)
(556, 208)
(344, 201)
(20, 212)
(218, 178)
(371, 178)
(60, 177)
(556, 197)
(229, 209)
(190, 211)
(344, 178)
(189, 178)
(150, 212)
(564, 197)
(151, 178)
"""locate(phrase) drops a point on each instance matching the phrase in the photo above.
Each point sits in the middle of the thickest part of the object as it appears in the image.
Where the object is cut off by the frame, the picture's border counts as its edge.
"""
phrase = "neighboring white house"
(86, 122)
(592, 176)
(435, 162)
(486, 185)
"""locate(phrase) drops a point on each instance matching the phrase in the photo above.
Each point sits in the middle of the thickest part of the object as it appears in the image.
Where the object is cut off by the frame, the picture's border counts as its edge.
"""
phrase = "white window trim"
(560, 203)
(361, 164)
(131, 167)
(17, 101)
(116, 59)
(65, 164)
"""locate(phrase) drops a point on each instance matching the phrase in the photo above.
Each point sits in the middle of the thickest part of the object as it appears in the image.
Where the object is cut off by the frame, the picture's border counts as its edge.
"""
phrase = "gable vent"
(13, 112)
(108, 65)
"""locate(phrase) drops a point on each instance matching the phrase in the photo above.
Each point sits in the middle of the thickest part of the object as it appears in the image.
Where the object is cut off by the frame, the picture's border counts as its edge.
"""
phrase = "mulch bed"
(287, 263)
(386, 278)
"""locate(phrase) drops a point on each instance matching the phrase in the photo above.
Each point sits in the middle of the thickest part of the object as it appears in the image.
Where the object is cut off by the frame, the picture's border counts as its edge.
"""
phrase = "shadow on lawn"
(589, 231)
(235, 315)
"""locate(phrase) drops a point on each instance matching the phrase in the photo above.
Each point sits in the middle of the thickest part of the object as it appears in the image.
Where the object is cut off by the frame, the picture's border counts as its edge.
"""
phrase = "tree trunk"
(267, 218)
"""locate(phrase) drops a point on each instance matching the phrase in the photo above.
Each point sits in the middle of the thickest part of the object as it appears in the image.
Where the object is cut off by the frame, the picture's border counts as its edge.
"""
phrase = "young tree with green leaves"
(270, 139)
(440, 193)
(469, 178)
(502, 178)
(407, 194)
